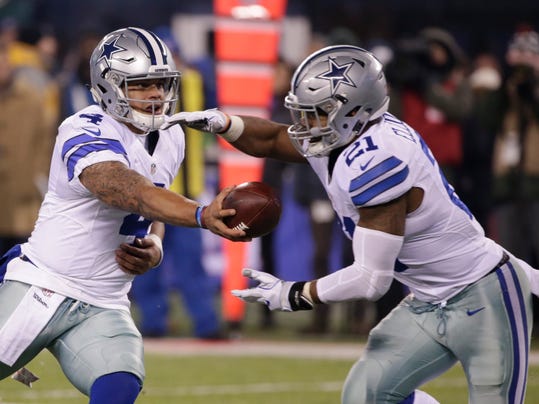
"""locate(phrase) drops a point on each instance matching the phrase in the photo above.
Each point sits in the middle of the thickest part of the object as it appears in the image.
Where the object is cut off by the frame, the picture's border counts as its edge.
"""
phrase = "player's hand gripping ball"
(258, 209)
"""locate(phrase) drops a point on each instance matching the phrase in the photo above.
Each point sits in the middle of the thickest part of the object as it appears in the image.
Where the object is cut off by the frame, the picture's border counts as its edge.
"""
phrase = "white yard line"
(244, 347)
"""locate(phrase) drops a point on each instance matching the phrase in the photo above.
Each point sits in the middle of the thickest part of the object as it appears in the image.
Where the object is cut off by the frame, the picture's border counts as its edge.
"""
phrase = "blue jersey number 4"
(136, 225)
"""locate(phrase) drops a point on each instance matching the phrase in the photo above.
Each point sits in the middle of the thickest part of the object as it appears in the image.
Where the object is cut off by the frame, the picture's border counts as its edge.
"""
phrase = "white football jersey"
(72, 247)
(444, 247)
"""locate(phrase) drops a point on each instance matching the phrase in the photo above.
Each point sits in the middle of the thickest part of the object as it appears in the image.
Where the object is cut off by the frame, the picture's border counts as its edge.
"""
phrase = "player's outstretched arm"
(275, 293)
(376, 244)
(255, 136)
(117, 185)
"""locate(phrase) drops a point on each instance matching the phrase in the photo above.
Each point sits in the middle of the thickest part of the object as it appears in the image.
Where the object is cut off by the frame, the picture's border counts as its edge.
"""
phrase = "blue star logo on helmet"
(337, 74)
(109, 48)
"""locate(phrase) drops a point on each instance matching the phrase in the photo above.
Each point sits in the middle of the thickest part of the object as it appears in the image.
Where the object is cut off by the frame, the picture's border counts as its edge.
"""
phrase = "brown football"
(258, 209)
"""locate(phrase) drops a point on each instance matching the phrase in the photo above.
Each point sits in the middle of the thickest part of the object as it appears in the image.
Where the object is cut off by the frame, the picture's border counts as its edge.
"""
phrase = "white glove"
(274, 292)
(211, 120)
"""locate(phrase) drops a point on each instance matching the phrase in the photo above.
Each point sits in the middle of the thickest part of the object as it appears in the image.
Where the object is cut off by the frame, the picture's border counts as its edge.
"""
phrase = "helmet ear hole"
(353, 111)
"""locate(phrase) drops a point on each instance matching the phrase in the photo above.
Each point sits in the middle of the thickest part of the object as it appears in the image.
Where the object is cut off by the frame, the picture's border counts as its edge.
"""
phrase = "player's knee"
(489, 385)
(368, 383)
(357, 388)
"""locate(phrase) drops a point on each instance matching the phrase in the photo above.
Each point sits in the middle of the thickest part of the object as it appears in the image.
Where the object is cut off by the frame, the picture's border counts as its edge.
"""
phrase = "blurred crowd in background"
(465, 75)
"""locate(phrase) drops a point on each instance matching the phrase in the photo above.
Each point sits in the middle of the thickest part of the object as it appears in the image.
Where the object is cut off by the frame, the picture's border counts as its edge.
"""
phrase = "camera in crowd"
(428, 57)
(523, 61)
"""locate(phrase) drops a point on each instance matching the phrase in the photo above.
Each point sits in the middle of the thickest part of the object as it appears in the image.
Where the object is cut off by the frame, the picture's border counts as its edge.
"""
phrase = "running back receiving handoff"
(470, 300)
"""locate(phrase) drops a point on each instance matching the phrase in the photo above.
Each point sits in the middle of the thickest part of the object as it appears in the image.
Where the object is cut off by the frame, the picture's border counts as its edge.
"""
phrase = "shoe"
(218, 335)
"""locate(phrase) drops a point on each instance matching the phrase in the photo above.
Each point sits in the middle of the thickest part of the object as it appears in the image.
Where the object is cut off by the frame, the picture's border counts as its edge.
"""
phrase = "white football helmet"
(133, 54)
(344, 83)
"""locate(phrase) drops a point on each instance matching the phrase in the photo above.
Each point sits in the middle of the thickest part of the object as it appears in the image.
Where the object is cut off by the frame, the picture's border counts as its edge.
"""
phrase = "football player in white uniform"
(470, 300)
(101, 224)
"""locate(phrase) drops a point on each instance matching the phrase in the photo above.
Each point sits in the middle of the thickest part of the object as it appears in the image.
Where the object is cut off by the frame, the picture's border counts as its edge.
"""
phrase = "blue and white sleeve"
(384, 179)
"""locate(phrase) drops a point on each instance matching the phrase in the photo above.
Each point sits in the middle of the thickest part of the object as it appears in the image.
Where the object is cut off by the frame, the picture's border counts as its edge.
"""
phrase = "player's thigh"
(105, 342)
(493, 344)
(399, 357)
(11, 294)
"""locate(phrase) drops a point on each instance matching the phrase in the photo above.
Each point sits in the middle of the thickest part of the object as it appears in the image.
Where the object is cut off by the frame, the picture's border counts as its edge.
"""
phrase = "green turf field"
(180, 370)
(201, 379)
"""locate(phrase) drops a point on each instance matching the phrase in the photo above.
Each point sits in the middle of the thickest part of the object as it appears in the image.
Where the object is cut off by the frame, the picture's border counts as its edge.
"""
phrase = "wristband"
(296, 298)
(159, 244)
(234, 130)
(198, 216)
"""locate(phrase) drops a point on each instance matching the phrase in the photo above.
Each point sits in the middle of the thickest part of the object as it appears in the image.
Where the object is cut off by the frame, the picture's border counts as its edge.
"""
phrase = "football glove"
(274, 292)
(211, 120)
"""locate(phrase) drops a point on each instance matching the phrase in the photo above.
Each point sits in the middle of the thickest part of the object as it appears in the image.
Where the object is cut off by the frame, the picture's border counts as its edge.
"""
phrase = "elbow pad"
(371, 274)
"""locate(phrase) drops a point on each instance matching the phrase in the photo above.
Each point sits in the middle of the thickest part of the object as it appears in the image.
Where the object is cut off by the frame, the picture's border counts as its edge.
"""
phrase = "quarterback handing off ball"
(258, 209)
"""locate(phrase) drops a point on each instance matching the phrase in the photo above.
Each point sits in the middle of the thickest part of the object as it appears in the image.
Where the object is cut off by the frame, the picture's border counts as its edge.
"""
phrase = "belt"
(504, 260)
